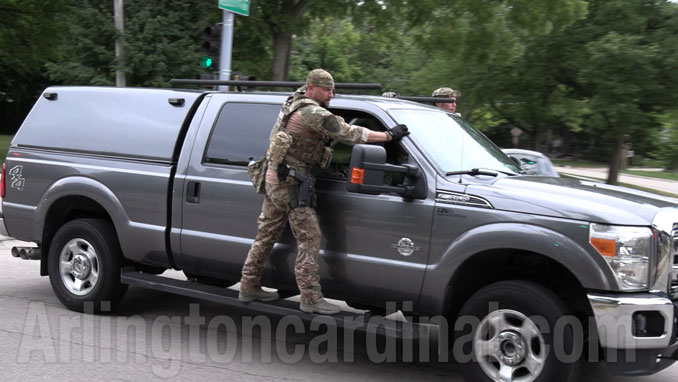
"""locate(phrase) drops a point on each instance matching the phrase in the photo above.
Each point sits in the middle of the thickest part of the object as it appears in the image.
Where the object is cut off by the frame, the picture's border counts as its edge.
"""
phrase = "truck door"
(370, 243)
(219, 206)
(374, 247)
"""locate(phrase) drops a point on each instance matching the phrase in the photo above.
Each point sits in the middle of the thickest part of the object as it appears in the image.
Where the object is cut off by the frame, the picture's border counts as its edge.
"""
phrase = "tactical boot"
(259, 295)
(322, 307)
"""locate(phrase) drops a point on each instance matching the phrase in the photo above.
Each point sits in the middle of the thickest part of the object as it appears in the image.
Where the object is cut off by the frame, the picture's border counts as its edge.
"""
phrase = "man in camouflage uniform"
(447, 93)
(298, 140)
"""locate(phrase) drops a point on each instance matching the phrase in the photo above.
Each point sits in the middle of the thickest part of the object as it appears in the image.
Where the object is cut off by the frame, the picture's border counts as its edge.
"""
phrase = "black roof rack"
(272, 84)
(425, 99)
(239, 84)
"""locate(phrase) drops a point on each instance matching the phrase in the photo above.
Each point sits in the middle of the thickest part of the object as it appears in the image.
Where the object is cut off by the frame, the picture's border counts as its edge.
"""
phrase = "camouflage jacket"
(303, 152)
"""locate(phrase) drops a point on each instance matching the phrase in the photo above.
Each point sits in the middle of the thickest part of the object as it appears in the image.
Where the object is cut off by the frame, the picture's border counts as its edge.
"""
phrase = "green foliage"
(357, 53)
(673, 176)
(87, 57)
(668, 139)
(162, 40)
(284, 19)
(28, 31)
(26, 35)
(596, 82)
(252, 44)
(588, 73)
(5, 140)
(625, 70)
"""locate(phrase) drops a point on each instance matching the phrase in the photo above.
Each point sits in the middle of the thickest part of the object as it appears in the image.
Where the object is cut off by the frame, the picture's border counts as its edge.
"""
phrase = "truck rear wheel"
(84, 265)
(512, 334)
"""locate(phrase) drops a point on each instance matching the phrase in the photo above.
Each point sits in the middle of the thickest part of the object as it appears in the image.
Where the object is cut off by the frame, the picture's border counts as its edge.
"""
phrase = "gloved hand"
(398, 132)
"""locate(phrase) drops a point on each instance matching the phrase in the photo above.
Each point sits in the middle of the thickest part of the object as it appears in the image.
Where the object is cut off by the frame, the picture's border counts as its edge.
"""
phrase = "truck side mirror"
(363, 179)
(368, 167)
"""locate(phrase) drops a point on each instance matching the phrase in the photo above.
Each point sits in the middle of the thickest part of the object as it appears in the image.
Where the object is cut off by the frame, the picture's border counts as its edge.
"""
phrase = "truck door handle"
(193, 193)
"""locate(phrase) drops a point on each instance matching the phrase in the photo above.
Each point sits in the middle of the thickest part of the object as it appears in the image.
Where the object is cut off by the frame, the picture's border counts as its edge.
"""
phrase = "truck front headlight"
(627, 252)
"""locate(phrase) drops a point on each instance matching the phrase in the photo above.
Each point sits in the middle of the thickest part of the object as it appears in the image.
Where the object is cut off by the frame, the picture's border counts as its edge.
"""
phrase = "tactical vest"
(303, 153)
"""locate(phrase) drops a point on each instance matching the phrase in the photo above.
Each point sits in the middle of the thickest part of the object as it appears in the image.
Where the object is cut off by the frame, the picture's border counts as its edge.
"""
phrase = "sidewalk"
(663, 185)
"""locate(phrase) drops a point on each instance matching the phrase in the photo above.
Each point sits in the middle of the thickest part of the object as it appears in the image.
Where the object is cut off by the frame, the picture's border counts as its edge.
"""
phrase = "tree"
(286, 20)
(87, 55)
(668, 141)
(162, 40)
(281, 17)
(625, 69)
(603, 79)
(27, 40)
(363, 51)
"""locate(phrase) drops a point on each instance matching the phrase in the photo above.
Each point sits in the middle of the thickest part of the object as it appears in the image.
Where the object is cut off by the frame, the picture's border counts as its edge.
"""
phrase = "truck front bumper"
(640, 328)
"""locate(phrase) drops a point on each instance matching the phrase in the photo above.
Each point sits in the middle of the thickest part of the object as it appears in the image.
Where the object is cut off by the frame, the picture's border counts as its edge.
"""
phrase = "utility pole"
(119, 17)
(225, 51)
(241, 7)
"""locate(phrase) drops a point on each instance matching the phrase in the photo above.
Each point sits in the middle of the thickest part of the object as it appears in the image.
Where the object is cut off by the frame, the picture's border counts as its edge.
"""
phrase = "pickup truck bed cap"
(107, 121)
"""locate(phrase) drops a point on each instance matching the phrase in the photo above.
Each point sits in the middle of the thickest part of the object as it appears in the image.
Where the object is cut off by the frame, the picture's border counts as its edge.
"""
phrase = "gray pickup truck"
(118, 185)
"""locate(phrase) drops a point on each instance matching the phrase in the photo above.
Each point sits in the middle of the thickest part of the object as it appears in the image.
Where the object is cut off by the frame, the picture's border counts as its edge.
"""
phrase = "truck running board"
(349, 320)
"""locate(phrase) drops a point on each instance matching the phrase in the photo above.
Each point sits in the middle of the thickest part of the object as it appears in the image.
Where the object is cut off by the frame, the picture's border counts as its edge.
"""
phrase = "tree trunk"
(536, 136)
(282, 30)
(615, 162)
(282, 46)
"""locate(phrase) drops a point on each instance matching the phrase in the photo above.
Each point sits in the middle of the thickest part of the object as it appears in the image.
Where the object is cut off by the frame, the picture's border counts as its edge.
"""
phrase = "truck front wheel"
(84, 265)
(512, 331)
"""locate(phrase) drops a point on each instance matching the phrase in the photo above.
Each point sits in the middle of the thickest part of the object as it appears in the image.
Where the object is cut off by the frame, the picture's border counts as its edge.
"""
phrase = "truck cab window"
(341, 156)
(240, 133)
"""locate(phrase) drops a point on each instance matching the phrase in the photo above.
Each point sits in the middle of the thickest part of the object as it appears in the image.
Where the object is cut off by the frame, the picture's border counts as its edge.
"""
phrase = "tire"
(515, 320)
(84, 265)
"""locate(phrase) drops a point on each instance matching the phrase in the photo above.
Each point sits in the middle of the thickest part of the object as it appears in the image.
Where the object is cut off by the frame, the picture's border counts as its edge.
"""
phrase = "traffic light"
(211, 47)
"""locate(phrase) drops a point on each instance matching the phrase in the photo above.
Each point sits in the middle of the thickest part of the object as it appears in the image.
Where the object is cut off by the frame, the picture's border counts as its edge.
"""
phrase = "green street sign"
(241, 7)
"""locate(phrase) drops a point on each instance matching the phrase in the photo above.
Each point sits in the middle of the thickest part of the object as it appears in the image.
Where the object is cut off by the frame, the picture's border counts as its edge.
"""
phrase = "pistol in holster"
(307, 197)
(302, 192)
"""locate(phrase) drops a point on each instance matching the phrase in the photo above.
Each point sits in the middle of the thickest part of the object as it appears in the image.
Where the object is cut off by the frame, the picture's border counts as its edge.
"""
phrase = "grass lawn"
(648, 190)
(658, 192)
(5, 139)
(669, 175)
(577, 163)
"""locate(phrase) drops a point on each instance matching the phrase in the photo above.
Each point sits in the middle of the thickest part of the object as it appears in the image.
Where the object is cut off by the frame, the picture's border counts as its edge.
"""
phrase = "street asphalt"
(150, 336)
(41, 340)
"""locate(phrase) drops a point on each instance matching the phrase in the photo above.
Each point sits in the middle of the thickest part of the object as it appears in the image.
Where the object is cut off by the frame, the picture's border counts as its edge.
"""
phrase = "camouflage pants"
(275, 213)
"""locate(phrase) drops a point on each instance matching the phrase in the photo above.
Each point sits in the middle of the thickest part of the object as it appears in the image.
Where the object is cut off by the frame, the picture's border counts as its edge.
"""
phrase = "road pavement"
(664, 185)
(155, 336)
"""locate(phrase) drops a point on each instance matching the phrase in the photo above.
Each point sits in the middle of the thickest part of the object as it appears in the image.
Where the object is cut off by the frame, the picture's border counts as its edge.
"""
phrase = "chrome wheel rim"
(79, 267)
(509, 346)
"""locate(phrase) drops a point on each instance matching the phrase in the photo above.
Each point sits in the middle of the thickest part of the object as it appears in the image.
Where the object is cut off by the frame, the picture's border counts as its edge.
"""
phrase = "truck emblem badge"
(17, 178)
(405, 246)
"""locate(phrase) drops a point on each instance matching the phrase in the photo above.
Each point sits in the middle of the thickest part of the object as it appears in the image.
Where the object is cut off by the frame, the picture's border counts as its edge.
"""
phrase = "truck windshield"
(452, 143)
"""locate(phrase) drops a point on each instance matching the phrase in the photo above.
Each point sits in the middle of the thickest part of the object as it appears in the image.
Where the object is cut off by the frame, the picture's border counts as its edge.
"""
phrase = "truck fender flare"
(590, 270)
(86, 187)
